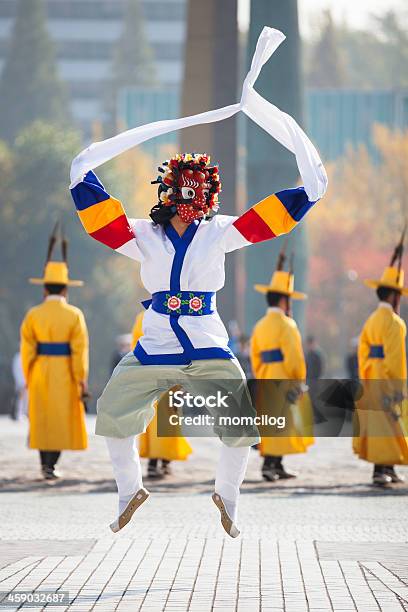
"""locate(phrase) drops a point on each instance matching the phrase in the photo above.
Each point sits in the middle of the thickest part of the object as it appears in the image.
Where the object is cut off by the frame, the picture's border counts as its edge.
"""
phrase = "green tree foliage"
(34, 194)
(29, 87)
(352, 237)
(327, 61)
(7, 218)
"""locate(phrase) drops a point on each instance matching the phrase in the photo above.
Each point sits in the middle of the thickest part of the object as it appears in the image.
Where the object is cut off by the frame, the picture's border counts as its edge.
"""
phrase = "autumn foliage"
(352, 234)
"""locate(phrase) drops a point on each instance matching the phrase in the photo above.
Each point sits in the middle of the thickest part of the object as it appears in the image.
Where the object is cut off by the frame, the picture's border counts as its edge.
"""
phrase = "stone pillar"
(211, 72)
(270, 167)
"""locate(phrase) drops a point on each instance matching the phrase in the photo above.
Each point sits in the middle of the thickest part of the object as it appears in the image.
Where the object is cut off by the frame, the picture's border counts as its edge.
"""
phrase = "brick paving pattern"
(325, 542)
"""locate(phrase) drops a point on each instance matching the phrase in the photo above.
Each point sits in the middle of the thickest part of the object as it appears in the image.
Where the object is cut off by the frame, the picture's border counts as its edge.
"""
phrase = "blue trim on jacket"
(214, 352)
(180, 244)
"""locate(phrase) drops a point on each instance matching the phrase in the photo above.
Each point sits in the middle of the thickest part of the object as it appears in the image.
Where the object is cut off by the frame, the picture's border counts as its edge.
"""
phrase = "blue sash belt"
(376, 351)
(193, 303)
(273, 356)
(53, 348)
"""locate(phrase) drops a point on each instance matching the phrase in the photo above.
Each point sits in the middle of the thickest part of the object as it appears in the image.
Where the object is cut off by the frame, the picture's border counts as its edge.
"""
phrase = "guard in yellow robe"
(277, 356)
(151, 446)
(54, 351)
(381, 414)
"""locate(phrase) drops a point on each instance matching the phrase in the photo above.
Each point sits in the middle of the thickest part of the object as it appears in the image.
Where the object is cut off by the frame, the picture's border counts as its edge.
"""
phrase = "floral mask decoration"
(189, 185)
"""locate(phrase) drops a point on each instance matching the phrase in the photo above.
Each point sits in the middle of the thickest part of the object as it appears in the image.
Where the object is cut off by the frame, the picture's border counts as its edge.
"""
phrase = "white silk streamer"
(277, 123)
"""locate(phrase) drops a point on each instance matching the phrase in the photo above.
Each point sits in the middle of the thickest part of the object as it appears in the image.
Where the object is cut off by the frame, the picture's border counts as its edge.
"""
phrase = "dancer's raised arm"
(104, 217)
(277, 214)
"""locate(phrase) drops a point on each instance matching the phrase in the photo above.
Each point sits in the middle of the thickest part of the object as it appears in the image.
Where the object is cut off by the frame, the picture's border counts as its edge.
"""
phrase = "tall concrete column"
(270, 166)
(211, 73)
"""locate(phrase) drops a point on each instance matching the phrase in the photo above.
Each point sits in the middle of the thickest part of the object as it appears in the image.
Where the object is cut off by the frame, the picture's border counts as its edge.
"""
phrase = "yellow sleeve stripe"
(273, 212)
(97, 216)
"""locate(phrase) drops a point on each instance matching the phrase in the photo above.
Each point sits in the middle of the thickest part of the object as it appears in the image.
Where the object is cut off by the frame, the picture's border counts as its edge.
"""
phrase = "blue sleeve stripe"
(376, 351)
(295, 201)
(272, 356)
(89, 192)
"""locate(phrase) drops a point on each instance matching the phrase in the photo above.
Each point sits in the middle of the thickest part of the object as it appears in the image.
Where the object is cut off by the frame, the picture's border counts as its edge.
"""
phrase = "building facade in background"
(141, 105)
(85, 33)
(340, 118)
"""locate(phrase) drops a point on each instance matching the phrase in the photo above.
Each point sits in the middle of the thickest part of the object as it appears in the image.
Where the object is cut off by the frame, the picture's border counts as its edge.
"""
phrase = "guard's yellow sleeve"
(363, 354)
(394, 351)
(80, 350)
(255, 354)
(28, 346)
(293, 357)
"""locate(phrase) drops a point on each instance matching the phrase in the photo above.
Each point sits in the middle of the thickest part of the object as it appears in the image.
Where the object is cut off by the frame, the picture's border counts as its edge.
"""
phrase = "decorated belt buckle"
(194, 304)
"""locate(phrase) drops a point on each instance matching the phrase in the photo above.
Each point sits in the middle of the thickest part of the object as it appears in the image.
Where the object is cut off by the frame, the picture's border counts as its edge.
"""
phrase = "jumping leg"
(230, 473)
(128, 475)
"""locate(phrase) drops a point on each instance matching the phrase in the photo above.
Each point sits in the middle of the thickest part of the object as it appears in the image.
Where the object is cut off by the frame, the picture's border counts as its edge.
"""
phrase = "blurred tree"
(365, 65)
(133, 173)
(37, 191)
(34, 195)
(7, 173)
(327, 67)
(7, 328)
(352, 233)
(373, 58)
(7, 219)
(393, 149)
(29, 87)
(394, 35)
(133, 61)
(362, 191)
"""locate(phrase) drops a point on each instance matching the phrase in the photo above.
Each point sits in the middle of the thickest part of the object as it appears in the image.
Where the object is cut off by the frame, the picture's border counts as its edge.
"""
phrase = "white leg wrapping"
(230, 472)
(126, 465)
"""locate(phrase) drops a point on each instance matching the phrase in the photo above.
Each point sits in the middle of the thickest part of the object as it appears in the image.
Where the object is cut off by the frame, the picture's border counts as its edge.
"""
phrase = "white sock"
(232, 509)
(229, 476)
(123, 502)
(126, 468)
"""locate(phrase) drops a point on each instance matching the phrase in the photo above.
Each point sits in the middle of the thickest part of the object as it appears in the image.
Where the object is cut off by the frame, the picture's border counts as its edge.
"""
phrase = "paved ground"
(327, 541)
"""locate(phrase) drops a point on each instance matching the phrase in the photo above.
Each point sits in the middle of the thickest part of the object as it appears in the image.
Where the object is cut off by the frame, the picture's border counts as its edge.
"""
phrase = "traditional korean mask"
(189, 187)
(194, 195)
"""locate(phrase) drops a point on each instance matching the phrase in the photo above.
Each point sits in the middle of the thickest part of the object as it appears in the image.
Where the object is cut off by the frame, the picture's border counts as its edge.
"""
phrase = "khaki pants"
(126, 405)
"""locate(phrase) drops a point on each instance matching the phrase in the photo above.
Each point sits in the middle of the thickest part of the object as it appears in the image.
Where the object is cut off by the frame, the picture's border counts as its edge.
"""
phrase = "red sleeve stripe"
(115, 234)
(253, 227)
